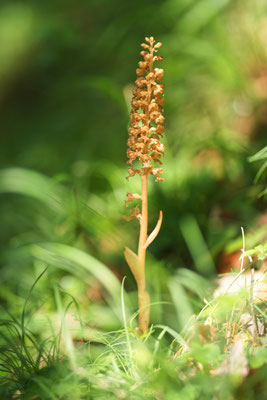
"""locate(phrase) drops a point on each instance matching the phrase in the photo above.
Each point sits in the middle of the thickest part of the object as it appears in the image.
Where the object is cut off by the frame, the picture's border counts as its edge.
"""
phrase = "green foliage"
(260, 155)
(259, 251)
(119, 364)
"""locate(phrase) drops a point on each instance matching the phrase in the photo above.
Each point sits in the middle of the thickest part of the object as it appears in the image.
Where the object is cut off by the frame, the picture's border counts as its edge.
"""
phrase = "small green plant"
(145, 132)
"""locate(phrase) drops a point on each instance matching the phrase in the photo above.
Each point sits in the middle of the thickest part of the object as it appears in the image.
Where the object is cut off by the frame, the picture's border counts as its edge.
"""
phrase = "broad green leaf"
(32, 184)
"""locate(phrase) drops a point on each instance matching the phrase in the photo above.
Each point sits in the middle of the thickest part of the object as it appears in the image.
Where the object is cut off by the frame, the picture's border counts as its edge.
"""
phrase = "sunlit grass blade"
(174, 334)
(197, 246)
(182, 305)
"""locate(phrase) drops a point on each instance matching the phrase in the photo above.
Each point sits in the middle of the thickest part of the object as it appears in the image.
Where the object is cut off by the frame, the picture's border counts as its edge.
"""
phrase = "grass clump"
(216, 356)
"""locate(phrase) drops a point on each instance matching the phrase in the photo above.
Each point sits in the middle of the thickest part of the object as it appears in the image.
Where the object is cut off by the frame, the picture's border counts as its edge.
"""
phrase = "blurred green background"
(66, 73)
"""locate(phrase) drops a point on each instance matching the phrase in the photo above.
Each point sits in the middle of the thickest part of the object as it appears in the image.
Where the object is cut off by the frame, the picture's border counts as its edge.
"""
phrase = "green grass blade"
(80, 263)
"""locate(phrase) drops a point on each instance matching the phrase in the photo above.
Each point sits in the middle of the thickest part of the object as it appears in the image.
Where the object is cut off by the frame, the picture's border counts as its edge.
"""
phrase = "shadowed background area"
(66, 73)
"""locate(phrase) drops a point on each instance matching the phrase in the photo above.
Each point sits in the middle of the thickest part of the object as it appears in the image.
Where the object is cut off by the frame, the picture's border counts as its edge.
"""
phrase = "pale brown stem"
(143, 222)
(142, 294)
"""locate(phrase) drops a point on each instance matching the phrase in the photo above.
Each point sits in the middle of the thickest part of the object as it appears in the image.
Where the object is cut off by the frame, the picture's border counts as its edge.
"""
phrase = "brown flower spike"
(146, 117)
(145, 131)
